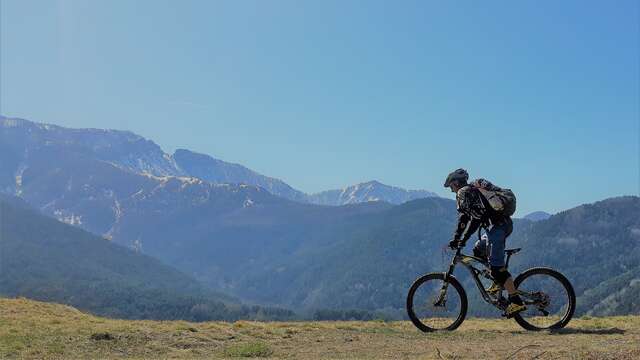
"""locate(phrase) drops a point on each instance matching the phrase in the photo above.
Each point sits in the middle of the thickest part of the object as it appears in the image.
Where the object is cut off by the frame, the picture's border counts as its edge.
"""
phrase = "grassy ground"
(30, 329)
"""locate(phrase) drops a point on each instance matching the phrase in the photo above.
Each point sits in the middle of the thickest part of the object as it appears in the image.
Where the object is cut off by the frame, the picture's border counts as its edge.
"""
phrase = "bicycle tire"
(456, 285)
(565, 283)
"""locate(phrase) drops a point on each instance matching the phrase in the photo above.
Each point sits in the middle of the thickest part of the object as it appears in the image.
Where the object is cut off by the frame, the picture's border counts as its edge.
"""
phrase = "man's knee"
(500, 274)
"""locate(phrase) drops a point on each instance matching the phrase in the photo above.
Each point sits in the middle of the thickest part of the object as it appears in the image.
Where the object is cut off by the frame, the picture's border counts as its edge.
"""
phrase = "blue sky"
(539, 96)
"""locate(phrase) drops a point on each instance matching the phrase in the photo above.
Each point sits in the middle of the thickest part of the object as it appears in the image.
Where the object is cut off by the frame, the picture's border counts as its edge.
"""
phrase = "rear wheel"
(431, 310)
(549, 297)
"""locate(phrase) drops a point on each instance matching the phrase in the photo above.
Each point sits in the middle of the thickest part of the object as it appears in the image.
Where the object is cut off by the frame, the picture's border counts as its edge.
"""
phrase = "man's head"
(456, 180)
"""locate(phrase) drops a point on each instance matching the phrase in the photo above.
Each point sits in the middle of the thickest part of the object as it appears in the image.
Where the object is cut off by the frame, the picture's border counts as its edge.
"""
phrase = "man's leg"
(497, 238)
(510, 286)
(497, 235)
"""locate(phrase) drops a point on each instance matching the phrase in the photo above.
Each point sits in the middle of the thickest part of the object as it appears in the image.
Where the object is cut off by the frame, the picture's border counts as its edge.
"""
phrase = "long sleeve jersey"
(474, 210)
(471, 212)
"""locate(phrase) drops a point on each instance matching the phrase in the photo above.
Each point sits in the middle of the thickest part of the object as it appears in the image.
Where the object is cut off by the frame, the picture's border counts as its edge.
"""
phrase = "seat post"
(510, 252)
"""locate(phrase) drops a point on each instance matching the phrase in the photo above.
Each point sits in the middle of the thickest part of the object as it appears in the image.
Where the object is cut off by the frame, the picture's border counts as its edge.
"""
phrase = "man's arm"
(468, 223)
(463, 221)
(466, 227)
(471, 228)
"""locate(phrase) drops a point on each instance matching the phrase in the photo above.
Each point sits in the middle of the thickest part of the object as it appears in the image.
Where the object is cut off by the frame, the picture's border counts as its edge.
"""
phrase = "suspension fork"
(445, 284)
(452, 266)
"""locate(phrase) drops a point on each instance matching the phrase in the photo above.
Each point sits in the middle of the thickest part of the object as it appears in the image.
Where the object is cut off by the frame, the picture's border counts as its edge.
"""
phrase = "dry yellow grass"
(31, 329)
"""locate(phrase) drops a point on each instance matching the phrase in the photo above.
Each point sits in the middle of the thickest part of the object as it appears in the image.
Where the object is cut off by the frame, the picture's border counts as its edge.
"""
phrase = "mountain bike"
(437, 301)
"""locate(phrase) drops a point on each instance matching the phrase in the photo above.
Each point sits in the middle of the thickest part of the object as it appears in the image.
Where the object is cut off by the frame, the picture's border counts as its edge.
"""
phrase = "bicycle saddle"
(512, 251)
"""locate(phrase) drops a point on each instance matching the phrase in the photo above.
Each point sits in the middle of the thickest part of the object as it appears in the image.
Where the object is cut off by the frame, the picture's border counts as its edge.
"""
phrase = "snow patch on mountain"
(71, 219)
(135, 154)
(21, 168)
(217, 171)
(366, 192)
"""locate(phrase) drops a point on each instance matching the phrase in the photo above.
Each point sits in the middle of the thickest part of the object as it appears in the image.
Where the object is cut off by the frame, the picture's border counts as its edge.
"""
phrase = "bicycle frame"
(467, 261)
(537, 300)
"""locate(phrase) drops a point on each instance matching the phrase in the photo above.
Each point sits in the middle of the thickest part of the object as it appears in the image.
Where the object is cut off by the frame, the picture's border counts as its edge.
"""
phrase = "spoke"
(432, 312)
(546, 298)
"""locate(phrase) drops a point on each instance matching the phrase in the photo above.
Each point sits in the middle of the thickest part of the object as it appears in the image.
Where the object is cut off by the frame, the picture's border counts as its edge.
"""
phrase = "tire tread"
(437, 276)
(564, 281)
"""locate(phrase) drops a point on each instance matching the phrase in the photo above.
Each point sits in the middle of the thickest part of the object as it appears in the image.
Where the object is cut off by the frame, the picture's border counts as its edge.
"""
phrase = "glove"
(455, 244)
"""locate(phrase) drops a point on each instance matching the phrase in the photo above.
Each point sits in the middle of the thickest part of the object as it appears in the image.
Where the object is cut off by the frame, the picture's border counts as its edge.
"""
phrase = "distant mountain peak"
(136, 154)
(537, 216)
(372, 190)
(123, 149)
(14, 122)
(214, 170)
(372, 183)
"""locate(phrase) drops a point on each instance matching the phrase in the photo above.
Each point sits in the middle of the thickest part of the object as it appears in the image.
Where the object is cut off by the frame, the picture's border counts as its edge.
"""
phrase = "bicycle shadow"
(569, 331)
(572, 331)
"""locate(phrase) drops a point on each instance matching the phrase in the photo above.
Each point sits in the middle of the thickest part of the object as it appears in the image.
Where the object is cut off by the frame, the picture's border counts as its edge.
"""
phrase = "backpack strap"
(488, 210)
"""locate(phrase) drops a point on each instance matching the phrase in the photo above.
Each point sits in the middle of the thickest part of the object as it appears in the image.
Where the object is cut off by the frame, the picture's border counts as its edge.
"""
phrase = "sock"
(515, 299)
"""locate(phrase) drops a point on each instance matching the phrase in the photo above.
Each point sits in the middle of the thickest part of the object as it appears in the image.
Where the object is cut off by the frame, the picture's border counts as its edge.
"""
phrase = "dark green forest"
(357, 266)
(43, 259)
(373, 258)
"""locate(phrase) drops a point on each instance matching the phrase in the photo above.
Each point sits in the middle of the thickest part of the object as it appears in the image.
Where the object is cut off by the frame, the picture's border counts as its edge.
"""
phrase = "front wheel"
(549, 297)
(432, 309)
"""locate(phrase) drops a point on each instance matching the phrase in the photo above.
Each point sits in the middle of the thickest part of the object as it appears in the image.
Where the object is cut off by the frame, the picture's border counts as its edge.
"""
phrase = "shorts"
(494, 243)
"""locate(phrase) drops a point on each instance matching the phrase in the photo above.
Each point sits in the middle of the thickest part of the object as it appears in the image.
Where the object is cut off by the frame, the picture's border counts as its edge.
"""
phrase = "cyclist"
(474, 212)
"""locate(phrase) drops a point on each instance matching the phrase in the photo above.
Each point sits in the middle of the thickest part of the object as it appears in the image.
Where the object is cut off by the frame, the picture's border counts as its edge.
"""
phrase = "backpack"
(503, 201)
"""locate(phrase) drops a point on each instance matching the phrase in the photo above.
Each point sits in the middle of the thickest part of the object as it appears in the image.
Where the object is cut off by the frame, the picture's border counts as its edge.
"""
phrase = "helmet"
(458, 175)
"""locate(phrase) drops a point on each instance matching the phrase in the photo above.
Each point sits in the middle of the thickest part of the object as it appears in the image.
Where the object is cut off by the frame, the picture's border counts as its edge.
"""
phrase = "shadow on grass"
(609, 331)
(571, 331)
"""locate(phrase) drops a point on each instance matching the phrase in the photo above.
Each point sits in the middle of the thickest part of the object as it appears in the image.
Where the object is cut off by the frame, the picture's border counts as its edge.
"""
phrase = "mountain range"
(260, 240)
(133, 153)
(44, 259)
